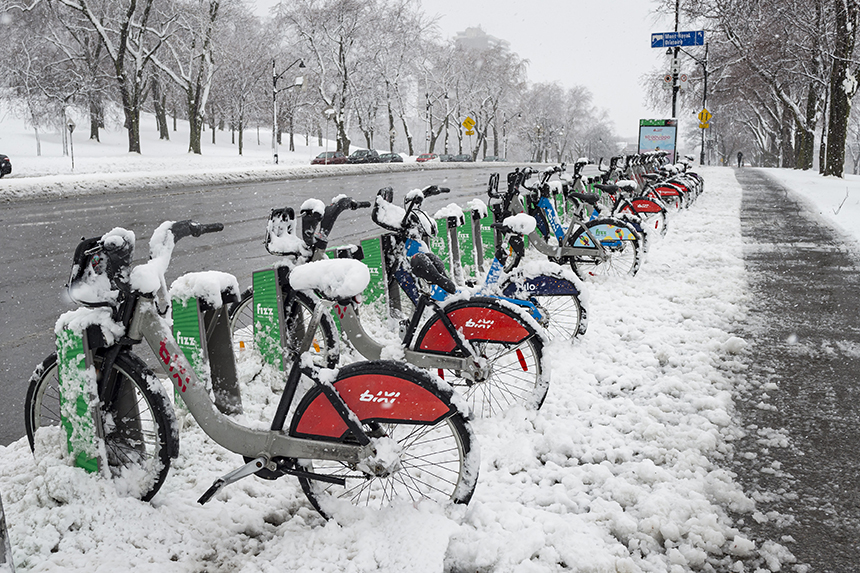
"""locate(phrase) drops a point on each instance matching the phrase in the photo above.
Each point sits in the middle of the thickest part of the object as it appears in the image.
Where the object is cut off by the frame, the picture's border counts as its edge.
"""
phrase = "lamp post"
(275, 77)
(328, 113)
(704, 64)
(71, 127)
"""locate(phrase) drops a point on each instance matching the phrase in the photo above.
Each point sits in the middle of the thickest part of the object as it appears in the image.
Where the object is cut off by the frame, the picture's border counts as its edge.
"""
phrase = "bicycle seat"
(429, 267)
(590, 198)
(606, 187)
(333, 279)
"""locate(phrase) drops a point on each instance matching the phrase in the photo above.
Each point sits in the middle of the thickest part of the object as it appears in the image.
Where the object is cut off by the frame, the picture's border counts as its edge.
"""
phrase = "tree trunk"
(158, 101)
(392, 134)
(843, 86)
(96, 118)
(806, 138)
(242, 140)
(408, 135)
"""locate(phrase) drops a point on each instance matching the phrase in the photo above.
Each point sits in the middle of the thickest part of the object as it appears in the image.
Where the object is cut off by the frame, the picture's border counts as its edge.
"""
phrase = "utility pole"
(676, 68)
(275, 77)
(704, 103)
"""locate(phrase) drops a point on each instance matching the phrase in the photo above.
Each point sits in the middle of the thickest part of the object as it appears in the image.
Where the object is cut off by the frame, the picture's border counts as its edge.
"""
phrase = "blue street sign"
(672, 39)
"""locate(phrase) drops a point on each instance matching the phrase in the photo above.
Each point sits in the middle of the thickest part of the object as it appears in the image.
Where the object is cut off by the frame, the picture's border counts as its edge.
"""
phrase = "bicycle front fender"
(375, 391)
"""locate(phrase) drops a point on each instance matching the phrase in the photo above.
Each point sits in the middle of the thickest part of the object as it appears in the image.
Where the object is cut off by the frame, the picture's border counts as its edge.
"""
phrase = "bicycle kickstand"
(250, 468)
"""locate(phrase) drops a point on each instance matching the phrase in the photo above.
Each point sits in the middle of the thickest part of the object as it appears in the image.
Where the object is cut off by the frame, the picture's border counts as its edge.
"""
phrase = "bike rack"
(5, 545)
(79, 414)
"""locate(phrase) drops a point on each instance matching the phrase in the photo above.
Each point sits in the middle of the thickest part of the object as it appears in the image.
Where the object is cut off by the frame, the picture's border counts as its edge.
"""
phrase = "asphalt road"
(800, 400)
(39, 237)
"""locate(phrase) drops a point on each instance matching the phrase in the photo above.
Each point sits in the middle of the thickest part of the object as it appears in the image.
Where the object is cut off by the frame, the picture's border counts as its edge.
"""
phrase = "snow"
(334, 278)
(624, 469)
(521, 223)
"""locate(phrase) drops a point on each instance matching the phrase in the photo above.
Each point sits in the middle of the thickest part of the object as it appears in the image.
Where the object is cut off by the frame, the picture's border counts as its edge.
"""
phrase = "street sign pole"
(704, 104)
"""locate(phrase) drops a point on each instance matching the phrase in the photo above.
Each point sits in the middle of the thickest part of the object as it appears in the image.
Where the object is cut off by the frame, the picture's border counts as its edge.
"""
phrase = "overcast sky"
(604, 45)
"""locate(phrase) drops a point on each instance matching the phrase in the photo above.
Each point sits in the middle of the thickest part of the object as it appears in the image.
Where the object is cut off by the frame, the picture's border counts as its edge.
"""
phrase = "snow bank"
(621, 470)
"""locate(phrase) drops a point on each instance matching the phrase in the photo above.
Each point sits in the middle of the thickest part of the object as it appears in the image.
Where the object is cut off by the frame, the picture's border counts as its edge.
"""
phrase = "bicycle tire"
(566, 316)
(624, 254)
(438, 461)
(325, 348)
(516, 375)
(146, 412)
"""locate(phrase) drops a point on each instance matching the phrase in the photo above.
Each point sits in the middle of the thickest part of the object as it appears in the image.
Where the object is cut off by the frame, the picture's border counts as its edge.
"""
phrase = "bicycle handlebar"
(385, 215)
(330, 215)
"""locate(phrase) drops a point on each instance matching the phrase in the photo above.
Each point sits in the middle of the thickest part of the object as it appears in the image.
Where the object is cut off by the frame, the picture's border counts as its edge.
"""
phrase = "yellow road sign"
(704, 116)
(704, 125)
(468, 123)
(470, 132)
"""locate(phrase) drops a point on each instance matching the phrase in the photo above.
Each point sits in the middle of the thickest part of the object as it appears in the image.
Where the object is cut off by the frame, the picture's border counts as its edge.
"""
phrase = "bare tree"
(131, 35)
(190, 61)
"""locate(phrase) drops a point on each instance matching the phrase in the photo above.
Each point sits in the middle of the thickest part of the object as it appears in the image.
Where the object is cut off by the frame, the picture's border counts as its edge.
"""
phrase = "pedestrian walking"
(740, 159)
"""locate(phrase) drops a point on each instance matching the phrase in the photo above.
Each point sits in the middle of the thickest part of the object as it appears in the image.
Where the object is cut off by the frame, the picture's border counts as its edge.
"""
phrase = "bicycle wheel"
(505, 342)
(514, 377)
(141, 434)
(297, 314)
(435, 460)
(619, 240)
(567, 318)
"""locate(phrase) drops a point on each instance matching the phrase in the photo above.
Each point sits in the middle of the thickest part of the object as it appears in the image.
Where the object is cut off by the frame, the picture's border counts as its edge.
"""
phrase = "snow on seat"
(334, 279)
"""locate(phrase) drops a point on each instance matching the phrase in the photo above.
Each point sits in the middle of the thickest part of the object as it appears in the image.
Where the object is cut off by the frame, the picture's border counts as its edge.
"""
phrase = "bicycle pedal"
(250, 468)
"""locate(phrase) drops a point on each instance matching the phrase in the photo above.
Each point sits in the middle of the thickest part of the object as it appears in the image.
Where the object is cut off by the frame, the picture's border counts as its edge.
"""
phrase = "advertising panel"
(658, 135)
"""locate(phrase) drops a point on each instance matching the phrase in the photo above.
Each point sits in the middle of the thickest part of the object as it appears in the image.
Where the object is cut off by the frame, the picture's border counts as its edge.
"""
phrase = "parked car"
(425, 157)
(463, 158)
(390, 158)
(329, 158)
(363, 156)
(493, 158)
(445, 157)
(5, 165)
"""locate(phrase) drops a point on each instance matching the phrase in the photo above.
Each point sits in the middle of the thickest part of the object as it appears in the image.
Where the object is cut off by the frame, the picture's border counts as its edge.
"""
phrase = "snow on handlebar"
(148, 278)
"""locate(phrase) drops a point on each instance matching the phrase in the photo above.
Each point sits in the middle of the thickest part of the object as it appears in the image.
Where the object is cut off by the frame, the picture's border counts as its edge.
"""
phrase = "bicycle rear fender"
(540, 286)
(483, 319)
(643, 205)
(376, 391)
(606, 232)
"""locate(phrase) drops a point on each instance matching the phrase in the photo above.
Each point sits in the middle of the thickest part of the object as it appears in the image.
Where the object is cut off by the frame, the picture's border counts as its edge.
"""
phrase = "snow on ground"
(622, 470)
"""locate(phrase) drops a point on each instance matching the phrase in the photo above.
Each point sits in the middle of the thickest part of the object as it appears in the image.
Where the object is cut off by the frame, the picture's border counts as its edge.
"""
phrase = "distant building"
(477, 39)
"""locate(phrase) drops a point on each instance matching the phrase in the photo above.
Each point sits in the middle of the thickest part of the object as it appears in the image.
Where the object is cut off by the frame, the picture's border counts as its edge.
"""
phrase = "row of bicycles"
(360, 417)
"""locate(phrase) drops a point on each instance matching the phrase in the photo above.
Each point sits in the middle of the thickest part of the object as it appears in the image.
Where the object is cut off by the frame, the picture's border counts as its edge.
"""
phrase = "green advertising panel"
(189, 334)
(467, 251)
(372, 249)
(77, 391)
(488, 238)
(560, 205)
(439, 244)
(267, 316)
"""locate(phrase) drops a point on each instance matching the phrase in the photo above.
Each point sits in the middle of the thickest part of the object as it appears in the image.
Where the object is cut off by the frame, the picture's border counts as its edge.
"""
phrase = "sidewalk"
(799, 459)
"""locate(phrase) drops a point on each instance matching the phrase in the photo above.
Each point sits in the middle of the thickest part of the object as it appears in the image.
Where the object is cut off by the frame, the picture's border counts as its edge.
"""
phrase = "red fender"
(477, 320)
(646, 206)
(372, 395)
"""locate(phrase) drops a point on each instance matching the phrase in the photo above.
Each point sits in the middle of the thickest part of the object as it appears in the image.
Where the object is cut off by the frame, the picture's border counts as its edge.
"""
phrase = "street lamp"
(704, 64)
(275, 77)
(328, 113)
(71, 127)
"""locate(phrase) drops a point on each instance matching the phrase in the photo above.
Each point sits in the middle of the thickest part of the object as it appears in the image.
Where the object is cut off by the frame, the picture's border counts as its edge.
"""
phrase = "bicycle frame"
(146, 324)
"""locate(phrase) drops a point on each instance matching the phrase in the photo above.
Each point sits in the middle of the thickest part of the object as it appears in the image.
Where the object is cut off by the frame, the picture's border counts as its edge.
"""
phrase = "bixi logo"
(174, 369)
(381, 396)
(482, 323)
